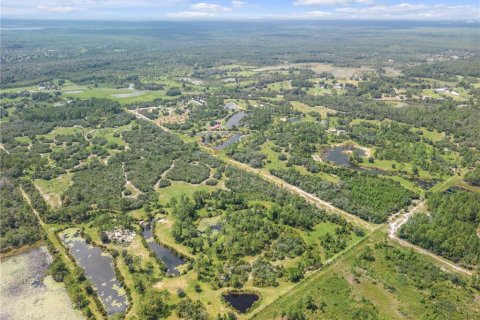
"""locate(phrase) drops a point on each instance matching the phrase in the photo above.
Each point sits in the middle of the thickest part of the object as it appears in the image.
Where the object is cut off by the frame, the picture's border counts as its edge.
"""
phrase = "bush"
(211, 182)
(163, 183)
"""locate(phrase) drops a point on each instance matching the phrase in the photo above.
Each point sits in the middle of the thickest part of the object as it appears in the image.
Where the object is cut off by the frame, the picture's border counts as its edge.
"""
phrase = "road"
(394, 224)
(398, 220)
(279, 182)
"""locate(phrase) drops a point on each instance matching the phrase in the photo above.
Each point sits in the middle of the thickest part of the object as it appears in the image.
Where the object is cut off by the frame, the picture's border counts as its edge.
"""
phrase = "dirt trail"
(394, 224)
(398, 220)
(35, 212)
(3, 148)
(307, 196)
(129, 185)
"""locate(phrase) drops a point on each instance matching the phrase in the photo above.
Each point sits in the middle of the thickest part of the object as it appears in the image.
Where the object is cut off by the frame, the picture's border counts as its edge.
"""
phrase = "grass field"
(306, 109)
(51, 190)
(179, 188)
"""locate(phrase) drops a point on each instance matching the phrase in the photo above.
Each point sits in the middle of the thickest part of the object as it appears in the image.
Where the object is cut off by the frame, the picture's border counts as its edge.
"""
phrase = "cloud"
(329, 2)
(410, 11)
(203, 6)
(190, 14)
(302, 16)
(238, 4)
(59, 7)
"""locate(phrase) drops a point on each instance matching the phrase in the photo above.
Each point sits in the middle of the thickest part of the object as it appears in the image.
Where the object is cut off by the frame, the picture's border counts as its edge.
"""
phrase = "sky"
(459, 10)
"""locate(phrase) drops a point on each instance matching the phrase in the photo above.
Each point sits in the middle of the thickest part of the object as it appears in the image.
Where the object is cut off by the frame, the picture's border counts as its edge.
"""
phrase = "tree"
(153, 306)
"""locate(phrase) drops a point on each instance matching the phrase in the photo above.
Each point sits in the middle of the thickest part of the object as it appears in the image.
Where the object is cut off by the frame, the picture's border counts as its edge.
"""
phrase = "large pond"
(27, 293)
(241, 301)
(170, 260)
(235, 138)
(98, 267)
(234, 120)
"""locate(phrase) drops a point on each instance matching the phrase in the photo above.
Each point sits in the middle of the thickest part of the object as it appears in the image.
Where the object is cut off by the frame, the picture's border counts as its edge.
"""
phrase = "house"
(441, 90)
(120, 235)
(218, 126)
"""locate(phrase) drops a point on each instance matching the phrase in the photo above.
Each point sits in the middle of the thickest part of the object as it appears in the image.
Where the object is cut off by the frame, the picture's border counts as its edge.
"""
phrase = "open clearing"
(26, 294)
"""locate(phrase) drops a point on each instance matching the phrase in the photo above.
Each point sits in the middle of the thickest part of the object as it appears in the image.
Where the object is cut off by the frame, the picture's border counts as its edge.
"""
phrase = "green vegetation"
(371, 198)
(249, 161)
(473, 177)
(19, 226)
(450, 227)
(378, 280)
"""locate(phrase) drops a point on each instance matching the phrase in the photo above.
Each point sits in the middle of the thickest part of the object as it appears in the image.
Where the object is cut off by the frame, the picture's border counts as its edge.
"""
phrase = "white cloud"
(302, 16)
(60, 7)
(410, 11)
(318, 14)
(238, 4)
(203, 6)
(191, 14)
(329, 2)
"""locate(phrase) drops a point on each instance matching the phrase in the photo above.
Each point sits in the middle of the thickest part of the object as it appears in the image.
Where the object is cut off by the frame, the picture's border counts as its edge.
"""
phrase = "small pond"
(341, 155)
(235, 119)
(235, 138)
(170, 260)
(217, 226)
(98, 267)
(241, 301)
(426, 184)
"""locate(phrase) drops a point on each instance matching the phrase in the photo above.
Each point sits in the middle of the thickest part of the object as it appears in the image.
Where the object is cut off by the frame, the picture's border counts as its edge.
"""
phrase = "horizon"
(252, 10)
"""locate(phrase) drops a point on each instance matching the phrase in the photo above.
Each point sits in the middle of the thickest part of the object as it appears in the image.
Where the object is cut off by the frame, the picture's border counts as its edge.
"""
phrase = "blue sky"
(464, 10)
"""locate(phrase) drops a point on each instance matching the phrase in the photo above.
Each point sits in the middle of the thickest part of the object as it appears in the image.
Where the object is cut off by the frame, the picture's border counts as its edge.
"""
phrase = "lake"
(98, 267)
(170, 260)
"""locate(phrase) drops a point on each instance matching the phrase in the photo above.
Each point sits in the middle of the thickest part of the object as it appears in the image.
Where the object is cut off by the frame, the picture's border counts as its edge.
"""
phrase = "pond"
(128, 95)
(235, 138)
(341, 155)
(217, 226)
(27, 292)
(426, 184)
(241, 301)
(234, 120)
(170, 260)
(98, 267)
